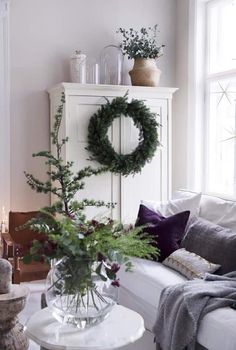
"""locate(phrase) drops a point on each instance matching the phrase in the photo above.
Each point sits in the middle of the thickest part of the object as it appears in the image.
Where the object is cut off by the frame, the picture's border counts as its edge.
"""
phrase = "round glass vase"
(77, 296)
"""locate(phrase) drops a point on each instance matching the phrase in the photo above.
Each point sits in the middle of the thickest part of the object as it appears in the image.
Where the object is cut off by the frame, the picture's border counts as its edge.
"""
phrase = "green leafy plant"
(89, 246)
(62, 183)
(141, 44)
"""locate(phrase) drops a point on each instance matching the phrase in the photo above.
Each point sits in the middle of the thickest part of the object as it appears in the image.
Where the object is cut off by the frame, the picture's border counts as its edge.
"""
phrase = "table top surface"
(122, 327)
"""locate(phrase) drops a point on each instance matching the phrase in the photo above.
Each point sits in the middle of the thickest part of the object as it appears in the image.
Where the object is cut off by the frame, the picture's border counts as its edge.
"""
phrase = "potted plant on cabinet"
(142, 46)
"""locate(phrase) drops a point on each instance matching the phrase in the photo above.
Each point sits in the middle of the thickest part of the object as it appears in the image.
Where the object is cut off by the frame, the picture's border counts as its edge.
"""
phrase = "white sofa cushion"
(148, 278)
(175, 206)
(215, 209)
(219, 211)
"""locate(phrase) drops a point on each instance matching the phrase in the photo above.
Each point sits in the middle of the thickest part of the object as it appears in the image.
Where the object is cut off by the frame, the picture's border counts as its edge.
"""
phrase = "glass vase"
(92, 71)
(111, 63)
(77, 296)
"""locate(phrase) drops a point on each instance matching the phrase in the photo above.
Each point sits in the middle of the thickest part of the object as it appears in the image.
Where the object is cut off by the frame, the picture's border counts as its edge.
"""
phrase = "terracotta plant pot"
(145, 72)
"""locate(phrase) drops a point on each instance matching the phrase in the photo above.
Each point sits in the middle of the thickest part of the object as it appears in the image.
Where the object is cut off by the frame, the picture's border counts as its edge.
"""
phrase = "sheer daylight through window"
(220, 125)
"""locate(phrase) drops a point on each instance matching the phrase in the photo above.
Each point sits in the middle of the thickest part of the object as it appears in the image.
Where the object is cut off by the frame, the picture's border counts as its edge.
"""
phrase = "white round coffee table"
(122, 327)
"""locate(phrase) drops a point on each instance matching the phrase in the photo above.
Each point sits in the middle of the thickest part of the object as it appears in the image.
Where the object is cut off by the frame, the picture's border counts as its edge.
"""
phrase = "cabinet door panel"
(101, 187)
(149, 183)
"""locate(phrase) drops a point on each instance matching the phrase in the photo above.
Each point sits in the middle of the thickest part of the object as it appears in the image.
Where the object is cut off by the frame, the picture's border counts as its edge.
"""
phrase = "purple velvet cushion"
(168, 232)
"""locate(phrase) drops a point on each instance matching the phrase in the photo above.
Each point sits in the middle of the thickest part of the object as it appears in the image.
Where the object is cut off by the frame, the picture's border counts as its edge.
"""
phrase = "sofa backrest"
(214, 209)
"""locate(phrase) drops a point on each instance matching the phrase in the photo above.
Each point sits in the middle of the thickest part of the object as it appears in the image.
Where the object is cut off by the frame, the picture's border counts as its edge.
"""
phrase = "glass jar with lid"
(78, 67)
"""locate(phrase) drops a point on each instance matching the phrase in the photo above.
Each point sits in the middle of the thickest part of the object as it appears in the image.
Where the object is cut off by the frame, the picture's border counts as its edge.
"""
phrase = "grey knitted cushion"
(212, 242)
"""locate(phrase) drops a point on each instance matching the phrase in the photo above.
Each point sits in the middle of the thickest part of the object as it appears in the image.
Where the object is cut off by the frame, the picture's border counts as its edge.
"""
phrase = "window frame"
(208, 78)
(198, 88)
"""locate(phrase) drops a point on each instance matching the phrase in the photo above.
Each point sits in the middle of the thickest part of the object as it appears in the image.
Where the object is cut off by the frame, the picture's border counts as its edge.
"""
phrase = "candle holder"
(3, 226)
(4, 221)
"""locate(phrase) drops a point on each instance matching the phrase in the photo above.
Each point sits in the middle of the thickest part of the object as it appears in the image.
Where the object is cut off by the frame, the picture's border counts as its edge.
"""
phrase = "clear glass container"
(78, 297)
(78, 68)
(92, 71)
(111, 62)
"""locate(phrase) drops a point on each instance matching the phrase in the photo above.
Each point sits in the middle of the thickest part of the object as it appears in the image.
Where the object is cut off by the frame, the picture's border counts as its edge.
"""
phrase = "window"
(219, 123)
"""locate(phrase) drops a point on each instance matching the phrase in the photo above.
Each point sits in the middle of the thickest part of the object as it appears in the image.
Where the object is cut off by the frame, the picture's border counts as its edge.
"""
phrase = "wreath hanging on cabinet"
(100, 146)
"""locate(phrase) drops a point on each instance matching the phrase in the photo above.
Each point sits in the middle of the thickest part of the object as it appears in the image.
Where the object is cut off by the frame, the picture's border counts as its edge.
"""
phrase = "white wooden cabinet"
(154, 182)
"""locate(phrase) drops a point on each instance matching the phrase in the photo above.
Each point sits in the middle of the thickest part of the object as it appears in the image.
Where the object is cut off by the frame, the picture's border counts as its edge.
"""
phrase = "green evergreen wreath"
(101, 148)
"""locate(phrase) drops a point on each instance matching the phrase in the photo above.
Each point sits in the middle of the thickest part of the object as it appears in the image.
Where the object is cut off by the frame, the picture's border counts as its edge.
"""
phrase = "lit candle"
(4, 220)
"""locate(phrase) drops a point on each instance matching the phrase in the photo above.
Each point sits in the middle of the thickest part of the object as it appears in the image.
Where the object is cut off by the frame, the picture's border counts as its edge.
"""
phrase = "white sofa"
(140, 289)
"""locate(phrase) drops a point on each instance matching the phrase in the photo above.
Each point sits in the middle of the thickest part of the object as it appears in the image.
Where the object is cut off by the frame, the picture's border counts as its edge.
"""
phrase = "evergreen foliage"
(100, 146)
(141, 44)
(62, 183)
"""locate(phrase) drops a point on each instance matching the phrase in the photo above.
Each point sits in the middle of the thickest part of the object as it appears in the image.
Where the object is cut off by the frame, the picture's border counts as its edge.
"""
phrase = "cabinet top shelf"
(110, 90)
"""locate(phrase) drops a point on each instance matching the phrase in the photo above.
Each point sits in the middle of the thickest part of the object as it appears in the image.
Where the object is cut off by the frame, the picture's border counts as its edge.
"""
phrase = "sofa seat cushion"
(217, 330)
(148, 278)
(133, 302)
(140, 290)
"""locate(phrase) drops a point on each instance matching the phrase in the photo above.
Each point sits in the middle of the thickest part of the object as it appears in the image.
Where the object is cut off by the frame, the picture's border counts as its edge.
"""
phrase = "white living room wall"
(44, 33)
(181, 101)
(4, 110)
